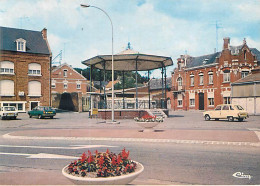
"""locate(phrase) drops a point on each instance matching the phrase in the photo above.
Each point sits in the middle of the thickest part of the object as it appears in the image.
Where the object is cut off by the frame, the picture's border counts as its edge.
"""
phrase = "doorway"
(34, 104)
(201, 101)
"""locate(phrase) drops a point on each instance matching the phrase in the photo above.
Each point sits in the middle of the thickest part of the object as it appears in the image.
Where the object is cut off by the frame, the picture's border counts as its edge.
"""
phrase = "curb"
(8, 136)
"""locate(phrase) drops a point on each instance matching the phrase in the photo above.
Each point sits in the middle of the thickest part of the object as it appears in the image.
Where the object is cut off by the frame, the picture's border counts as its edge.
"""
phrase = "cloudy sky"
(158, 27)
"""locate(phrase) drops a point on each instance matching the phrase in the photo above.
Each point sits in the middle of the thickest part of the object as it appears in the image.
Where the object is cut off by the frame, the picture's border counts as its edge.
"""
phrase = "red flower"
(107, 151)
(119, 160)
(101, 161)
(125, 154)
(113, 160)
(96, 152)
(83, 157)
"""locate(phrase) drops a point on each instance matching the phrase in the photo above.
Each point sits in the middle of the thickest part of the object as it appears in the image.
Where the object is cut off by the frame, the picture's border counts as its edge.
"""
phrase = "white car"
(226, 111)
(8, 112)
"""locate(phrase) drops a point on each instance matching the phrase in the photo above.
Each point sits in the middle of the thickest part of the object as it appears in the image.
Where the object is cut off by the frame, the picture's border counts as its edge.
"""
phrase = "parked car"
(8, 112)
(42, 112)
(226, 111)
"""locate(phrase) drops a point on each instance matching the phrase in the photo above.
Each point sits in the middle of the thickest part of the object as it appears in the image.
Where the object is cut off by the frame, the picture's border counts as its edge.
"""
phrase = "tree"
(129, 77)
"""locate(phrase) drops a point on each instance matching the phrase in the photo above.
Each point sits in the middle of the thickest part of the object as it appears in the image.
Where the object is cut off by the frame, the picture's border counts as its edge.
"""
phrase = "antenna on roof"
(60, 59)
(218, 26)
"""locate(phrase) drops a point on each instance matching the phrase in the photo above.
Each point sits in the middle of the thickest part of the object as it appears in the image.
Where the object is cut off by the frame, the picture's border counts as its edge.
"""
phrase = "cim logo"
(241, 175)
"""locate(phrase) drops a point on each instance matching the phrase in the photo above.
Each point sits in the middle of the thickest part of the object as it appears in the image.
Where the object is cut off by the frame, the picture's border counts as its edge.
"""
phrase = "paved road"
(164, 163)
(22, 161)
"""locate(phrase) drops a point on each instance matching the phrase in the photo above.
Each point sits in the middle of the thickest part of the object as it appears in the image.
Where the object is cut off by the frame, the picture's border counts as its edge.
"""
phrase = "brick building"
(70, 90)
(203, 82)
(24, 68)
(65, 79)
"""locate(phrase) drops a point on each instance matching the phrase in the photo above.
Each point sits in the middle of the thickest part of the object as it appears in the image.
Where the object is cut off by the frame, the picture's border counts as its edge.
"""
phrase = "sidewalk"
(230, 137)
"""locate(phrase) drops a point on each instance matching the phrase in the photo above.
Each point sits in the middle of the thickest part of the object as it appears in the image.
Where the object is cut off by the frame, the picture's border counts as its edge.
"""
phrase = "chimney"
(226, 43)
(44, 33)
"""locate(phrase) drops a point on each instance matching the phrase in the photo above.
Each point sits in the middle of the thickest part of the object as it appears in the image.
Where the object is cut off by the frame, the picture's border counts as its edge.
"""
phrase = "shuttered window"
(7, 88)
(34, 88)
(6, 67)
(34, 69)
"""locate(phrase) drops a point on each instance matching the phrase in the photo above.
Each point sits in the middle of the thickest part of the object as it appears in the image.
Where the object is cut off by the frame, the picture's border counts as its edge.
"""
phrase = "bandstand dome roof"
(127, 59)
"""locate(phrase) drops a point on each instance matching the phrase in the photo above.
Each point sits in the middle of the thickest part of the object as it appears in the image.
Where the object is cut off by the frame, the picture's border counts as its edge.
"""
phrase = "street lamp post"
(86, 6)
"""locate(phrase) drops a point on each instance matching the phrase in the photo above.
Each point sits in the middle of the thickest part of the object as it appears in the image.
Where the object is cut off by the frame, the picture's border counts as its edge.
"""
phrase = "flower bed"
(102, 164)
(148, 118)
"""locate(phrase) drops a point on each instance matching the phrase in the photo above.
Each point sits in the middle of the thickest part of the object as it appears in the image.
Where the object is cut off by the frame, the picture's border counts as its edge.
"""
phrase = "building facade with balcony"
(201, 83)
(24, 68)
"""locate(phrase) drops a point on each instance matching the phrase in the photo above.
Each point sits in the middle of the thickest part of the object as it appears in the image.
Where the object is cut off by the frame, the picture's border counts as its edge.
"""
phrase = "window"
(6, 88)
(245, 54)
(211, 101)
(6, 67)
(191, 80)
(218, 108)
(244, 74)
(226, 100)
(34, 69)
(179, 81)
(201, 79)
(65, 73)
(65, 85)
(225, 107)
(34, 88)
(78, 86)
(210, 78)
(192, 102)
(179, 99)
(226, 77)
(239, 107)
(53, 84)
(20, 106)
(21, 45)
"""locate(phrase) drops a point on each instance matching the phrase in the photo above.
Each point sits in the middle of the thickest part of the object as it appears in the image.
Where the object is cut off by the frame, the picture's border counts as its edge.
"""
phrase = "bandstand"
(130, 60)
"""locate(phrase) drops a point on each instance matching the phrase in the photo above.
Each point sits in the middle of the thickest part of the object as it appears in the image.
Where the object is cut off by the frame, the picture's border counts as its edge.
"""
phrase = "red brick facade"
(66, 79)
(20, 77)
(203, 82)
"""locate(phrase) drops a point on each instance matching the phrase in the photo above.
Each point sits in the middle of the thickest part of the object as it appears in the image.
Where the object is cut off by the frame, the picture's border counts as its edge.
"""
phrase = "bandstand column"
(123, 89)
(162, 89)
(104, 85)
(149, 89)
(136, 89)
(165, 84)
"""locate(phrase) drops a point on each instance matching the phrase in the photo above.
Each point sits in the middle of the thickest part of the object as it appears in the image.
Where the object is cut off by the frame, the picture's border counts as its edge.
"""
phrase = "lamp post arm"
(86, 6)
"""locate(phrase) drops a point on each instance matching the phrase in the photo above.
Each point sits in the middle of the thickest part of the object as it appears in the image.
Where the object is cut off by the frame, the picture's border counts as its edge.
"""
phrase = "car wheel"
(207, 117)
(51, 117)
(39, 116)
(240, 119)
(30, 116)
(230, 118)
(14, 117)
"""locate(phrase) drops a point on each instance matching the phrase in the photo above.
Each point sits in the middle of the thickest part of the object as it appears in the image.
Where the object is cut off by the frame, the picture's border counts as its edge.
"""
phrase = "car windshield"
(47, 108)
(239, 107)
(9, 108)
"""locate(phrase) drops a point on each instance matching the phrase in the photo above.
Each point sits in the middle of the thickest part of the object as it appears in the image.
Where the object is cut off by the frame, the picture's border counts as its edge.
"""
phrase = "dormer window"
(65, 73)
(205, 61)
(21, 45)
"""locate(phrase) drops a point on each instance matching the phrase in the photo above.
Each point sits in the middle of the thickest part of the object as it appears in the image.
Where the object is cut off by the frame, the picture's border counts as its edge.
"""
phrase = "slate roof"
(198, 61)
(157, 83)
(251, 78)
(235, 49)
(256, 53)
(34, 41)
